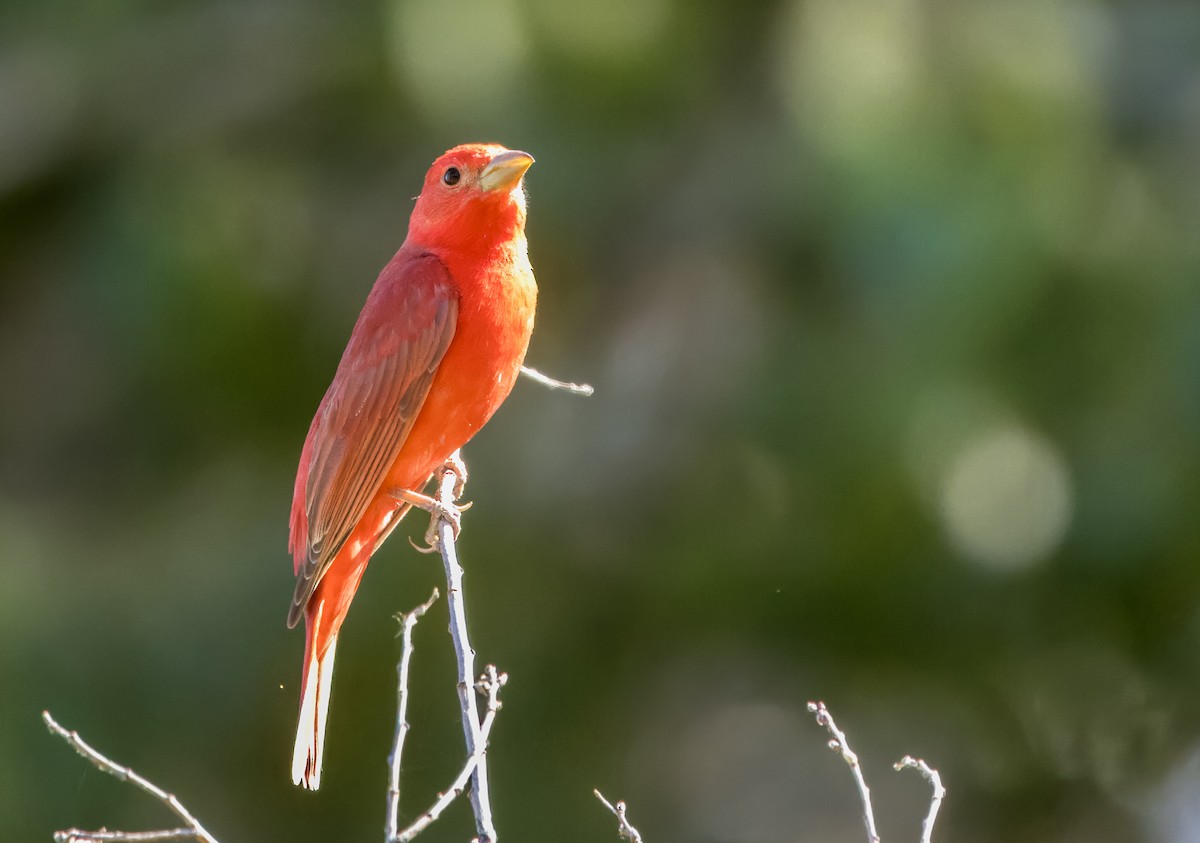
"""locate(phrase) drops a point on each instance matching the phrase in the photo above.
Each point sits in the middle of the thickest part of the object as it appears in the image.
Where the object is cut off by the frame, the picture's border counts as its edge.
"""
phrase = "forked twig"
(193, 830)
(490, 683)
(472, 733)
(839, 744)
(624, 827)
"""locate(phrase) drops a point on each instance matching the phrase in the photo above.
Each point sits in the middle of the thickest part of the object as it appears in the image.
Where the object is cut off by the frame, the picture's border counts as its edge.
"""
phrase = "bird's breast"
(483, 361)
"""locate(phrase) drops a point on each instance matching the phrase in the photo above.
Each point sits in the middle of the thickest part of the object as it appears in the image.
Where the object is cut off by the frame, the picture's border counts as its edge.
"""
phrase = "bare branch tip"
(583, 389)
(53, 726)
(624, 828)
(425, 607)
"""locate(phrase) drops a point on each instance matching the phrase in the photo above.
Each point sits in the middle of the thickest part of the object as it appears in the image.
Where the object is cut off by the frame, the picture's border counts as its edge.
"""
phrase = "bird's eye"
(451, 176)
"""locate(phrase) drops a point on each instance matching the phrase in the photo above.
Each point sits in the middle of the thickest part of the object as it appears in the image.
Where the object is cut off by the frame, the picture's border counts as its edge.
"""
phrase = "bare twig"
(193, 830)
(476, 746)
(75, 835)
(408, 620)
(839, 744)
(552, 383)
(490, 683)
(935, 780)
(624, 828)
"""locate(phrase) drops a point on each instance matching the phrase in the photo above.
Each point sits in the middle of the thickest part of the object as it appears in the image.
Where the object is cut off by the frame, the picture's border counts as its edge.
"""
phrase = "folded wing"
(363, 420)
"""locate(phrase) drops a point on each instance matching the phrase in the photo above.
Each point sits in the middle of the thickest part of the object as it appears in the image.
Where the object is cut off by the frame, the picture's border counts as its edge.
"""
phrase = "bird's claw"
(419, 548)
(439, 512)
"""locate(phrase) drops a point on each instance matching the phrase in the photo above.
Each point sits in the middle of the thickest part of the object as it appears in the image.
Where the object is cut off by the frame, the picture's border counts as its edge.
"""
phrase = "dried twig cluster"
(191, 831)
(839, 744)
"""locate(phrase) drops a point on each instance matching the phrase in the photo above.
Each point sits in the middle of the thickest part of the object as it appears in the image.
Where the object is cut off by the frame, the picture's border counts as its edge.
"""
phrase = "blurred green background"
(892, 310)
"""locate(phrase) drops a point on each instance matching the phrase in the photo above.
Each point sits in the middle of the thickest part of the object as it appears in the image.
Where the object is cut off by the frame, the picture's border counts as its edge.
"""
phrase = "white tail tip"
(314, 710)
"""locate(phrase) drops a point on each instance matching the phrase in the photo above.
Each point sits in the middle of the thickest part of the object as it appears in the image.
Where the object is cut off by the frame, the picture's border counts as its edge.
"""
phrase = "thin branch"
(449, 487)
(624, 828)
(76, 835)
(408, 620)
(935, 780)
(490, 683)
(193, 831)
(841, 745)
(552, 383)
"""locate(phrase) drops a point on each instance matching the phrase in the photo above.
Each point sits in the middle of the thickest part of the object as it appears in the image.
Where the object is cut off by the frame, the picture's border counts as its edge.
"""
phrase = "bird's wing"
(364, 418)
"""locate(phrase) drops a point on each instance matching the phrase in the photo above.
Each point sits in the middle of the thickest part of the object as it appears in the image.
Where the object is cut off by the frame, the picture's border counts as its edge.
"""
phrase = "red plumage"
(436, 350)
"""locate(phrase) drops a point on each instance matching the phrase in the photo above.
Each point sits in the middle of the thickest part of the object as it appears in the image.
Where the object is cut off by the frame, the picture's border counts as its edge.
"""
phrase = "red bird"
(436, 350)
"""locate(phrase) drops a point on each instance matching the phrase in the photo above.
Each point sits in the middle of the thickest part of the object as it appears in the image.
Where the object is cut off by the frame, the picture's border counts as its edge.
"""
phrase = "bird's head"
(472, 194)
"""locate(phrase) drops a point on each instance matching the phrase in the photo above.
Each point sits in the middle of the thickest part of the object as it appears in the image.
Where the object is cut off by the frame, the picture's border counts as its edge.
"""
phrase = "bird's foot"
(439, 511)
(439, 508)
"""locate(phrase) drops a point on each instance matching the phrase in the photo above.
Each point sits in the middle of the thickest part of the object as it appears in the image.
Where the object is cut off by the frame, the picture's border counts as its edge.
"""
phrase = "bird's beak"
(505, 170)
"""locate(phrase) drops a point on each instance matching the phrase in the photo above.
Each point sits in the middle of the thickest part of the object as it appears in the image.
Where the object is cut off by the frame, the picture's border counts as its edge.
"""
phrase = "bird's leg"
(439, 507)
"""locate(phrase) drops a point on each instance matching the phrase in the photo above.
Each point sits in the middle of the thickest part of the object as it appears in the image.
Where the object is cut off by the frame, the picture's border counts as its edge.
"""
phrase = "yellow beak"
(505, 170)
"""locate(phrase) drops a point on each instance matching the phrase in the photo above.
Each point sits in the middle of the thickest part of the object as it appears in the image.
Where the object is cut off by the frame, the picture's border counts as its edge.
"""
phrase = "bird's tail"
(314, 706)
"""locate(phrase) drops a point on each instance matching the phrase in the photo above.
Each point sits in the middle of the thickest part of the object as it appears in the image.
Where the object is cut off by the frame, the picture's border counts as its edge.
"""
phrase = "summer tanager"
(434, 353)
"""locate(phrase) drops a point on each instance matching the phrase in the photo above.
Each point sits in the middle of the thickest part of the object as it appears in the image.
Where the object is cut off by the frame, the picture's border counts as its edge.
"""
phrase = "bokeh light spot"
(460, 62)
(850, 68)
(1006, 501)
